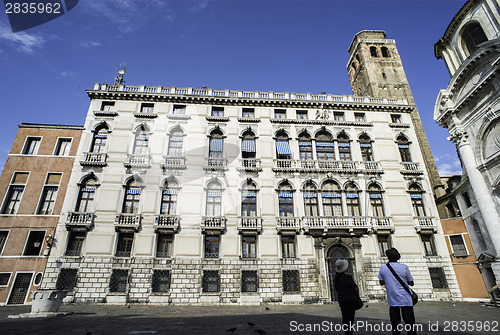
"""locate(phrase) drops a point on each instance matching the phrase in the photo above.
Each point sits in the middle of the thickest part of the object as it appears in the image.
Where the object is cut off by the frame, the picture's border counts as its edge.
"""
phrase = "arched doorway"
(335, 252)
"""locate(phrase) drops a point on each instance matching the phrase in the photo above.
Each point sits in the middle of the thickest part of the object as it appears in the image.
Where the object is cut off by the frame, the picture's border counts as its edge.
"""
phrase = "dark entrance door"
(20, 289)
(334, 253)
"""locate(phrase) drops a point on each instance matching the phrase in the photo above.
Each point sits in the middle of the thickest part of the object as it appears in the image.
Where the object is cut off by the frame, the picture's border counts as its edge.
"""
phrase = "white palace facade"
(205, 196)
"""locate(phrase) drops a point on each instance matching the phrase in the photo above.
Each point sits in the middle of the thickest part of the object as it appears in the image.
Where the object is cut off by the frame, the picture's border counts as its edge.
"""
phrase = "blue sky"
(272, 45)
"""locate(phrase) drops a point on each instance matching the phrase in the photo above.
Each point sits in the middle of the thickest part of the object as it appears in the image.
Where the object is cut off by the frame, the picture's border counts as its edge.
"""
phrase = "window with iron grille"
(32, 145)
(288, 246)
(212, 246)
(3, 239)
(429, 246)
(118, 281)
(34, 244)
(249, 246)
(384, 244)
(291, 281)
(4, 279)
(160, 282)
(75, 243)
(217, 111)
(164, 245)
(248, 112)
(66, 280)
(458, 245)
(438, 278)
(124, 246)
(249, 281)
(211, 281)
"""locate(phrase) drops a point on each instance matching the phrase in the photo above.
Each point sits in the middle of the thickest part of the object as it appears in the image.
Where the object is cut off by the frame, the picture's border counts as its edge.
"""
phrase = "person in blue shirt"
(399, 300)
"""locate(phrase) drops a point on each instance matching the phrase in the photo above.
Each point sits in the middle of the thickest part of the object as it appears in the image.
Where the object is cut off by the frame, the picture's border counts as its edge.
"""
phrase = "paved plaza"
(449, 317)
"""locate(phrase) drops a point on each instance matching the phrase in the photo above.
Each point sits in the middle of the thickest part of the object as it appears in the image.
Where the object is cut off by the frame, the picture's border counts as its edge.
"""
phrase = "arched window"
(324, 146)
(365, 145)
(352, 200)
(305, 147)
(175, 141)
(344, 147)
(249, 200)
(141, 141)
(285, 200)
(86, 195)
(282, 146)
(132, 197)
(99, 140)
(248, 145)
(373, 51)
(169, 198)
(376, 201)
(214, 199)
(416, 199)
(216, 145)
(472, 36)
(385, 52)
(404, 148)
(311, 200)
(479, 236)
(331, 197)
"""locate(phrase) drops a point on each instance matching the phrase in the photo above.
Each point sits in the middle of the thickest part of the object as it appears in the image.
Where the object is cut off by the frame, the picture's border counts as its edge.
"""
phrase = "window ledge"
(117, 293)
(212, 294)
(161, 294)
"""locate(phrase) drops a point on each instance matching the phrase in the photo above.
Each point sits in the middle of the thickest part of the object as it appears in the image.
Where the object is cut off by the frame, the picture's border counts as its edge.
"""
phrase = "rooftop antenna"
(119, 75)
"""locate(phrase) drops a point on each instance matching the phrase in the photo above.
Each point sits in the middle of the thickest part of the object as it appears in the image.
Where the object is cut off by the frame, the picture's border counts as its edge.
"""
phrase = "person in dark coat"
(347, 292)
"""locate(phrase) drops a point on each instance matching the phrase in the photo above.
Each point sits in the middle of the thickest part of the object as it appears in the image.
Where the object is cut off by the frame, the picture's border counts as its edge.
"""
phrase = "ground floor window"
(160, 281)
(249, 281)
(288, 246)
(249, 246)
(438, 278)
(118, 281)
(66, 280)
(384, 244)
(211, 281)
(291, 281)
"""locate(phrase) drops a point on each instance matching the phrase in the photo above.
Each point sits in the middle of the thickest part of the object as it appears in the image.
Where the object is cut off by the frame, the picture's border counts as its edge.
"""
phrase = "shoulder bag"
(414, 296)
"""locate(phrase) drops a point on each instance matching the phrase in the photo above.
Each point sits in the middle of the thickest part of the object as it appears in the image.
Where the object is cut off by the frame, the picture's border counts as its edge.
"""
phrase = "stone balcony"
(411, 168)
(108, 113)
(215, 164)
(128, 222)
(326, 224)
(250, 223)
(94, 159)
(373, 167)
(425, 224)
(382, 224)
(173, 163)
(288, 223)
(138, 161)
(213, 223)
(166, 222)
(80, 221)
(249, 164)
(321, 166)
(146, 115)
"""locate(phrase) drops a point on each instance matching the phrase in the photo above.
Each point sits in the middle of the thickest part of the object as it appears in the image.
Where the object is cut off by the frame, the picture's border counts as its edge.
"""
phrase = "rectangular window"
(359, 117)
(211, 282)
(147, 108)
(108, 106)
(291, 281)
(62, 147)
(66, 281)
(160, 282)
(118, 281)
(395, 118)
(249, 281)
(212, 246)
(301, 114)
(468, 203)
(248, 112)
(15, 192)
(34, 243)
(179, 109)
(384, 244)
(338, 116)
(438, 278)
(164, 245)
(429, 247)
(217, 111)
(32, 145)
(288, 246)
(249, 246)
(3, 239)
(75, 243)
(4, 279)
(280, 113)
(124, 246)
(458, 245)
(451, 210)
(49, 194)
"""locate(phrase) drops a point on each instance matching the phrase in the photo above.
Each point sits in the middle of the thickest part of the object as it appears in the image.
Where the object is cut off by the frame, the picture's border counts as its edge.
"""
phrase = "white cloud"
(25, 42)
(66, 73)
(91, 44)
(448, 165)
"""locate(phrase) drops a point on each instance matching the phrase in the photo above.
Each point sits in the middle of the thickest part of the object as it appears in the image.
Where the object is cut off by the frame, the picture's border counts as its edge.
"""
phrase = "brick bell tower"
(375, 70)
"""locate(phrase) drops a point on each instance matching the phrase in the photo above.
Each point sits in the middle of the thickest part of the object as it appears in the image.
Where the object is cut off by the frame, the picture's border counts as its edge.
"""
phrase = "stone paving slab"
(263, 319)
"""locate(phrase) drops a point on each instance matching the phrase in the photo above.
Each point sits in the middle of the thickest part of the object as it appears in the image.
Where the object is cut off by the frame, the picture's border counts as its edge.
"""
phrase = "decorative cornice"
(459, 138)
